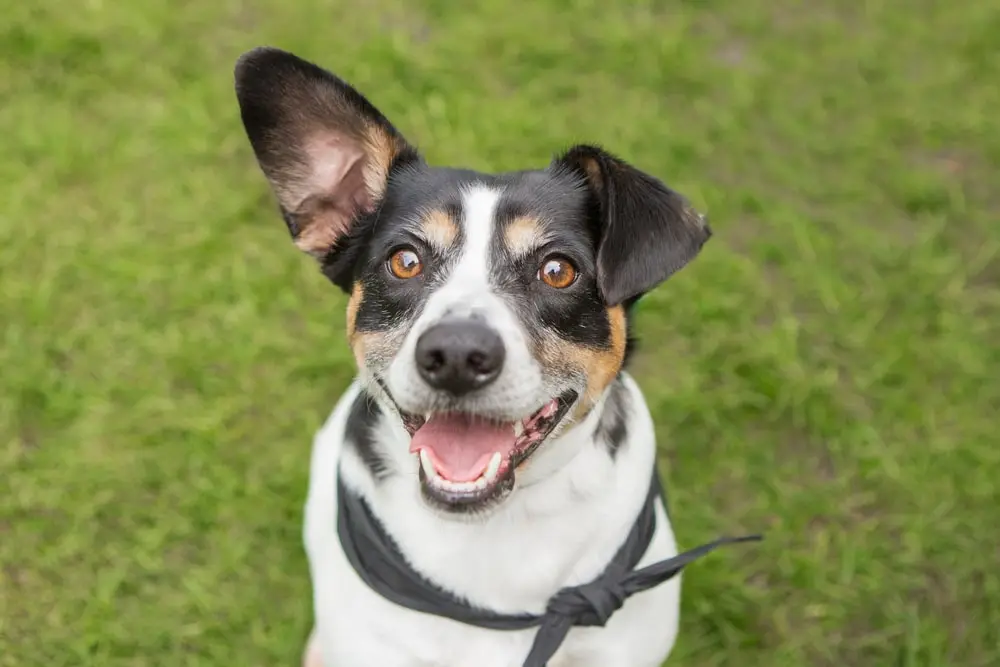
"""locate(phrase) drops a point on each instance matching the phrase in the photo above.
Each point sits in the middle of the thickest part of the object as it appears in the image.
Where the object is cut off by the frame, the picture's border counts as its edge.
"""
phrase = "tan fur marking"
(358, 342)
(374, 350)
(604, 365)
(371, 349)
(600, 366)
(317, 239)
(439, 229)
(352, 309)
(523, 235)
(381, 149)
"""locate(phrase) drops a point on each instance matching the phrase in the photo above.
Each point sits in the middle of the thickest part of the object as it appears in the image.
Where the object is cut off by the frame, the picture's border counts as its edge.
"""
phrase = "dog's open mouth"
(466, 460)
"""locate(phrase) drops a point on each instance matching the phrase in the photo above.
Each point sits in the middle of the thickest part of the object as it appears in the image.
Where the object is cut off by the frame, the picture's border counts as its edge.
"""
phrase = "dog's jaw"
(570, 474)
(491, 476)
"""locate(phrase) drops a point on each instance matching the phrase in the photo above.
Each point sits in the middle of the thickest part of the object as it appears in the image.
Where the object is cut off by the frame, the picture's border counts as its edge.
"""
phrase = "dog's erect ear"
(648, 231)
(325, 150)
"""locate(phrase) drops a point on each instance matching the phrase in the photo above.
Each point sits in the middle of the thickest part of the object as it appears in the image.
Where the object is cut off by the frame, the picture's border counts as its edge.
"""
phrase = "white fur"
(557, 531)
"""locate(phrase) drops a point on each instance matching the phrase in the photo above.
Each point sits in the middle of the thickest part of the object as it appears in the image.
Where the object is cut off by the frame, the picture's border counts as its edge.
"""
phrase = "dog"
(492, 431)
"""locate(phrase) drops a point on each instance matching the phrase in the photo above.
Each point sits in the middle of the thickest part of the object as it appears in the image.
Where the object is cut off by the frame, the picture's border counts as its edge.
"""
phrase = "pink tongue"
(461, 447)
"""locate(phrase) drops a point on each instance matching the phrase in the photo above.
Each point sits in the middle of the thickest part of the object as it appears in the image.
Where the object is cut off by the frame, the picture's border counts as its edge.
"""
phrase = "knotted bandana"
(377, 560)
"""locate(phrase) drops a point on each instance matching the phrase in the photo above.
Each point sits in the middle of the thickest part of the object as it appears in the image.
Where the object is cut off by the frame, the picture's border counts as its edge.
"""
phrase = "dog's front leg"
(311, 656)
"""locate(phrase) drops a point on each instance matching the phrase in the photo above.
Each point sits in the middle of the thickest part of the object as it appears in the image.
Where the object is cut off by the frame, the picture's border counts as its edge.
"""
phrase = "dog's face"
(487, 312)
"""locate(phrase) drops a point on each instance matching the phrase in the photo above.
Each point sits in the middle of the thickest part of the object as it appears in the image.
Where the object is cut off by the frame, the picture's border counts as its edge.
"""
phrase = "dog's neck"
(568, 516)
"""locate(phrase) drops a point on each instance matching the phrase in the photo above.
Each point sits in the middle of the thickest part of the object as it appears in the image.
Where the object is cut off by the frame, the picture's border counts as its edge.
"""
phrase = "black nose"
(459, 356)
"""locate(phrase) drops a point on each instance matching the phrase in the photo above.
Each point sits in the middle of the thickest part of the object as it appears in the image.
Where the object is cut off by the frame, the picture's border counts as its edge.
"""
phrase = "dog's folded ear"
(648, 231)
(326, 151)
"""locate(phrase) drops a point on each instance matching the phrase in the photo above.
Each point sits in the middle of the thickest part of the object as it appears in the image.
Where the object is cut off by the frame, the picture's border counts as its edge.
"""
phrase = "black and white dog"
(493, 450)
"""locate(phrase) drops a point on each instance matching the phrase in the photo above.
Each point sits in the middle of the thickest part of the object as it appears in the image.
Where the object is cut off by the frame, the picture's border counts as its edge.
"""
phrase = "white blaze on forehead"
(479, 208)
(469, 282)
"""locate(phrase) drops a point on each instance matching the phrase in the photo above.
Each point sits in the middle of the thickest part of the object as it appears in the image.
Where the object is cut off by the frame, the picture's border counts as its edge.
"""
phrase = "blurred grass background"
(828, 371)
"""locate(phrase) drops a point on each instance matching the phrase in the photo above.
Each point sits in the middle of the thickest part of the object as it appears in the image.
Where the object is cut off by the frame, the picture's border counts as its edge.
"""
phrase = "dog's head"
(487, 311)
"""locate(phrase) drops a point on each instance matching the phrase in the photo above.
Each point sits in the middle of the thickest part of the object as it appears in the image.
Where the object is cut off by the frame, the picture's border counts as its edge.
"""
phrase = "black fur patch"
(566, 214)
(363, 417)
(612, 428)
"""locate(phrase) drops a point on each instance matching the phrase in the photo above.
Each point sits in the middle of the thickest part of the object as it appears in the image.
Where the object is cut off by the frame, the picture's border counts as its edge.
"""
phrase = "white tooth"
(493, 468)
(428, 466)
(480, 484)
(427, 416)
(518, 428)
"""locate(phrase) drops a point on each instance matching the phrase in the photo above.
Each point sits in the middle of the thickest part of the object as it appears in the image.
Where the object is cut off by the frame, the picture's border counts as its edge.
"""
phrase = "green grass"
(828, 371)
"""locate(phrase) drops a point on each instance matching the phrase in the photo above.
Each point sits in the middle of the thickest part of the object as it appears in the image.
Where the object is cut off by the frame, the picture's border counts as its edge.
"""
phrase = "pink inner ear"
(336, 169)
(334, 191)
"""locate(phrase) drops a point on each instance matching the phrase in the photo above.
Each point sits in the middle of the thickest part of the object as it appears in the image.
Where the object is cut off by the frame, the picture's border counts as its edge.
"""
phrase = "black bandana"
(377, 560)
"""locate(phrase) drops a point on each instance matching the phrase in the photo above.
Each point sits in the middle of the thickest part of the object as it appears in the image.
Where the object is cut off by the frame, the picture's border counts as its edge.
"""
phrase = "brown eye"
(557, 272)
(405, 263)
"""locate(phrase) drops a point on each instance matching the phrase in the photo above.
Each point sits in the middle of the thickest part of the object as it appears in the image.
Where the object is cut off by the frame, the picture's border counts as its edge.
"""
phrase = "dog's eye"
(405, 263)
(557, 272)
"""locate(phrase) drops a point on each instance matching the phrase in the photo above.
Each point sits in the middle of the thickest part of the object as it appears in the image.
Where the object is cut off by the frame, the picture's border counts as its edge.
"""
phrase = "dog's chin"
(467, 463)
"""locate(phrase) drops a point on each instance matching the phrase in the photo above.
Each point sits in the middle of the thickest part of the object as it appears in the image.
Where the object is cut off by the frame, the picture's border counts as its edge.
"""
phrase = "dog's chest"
(356, 627)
